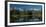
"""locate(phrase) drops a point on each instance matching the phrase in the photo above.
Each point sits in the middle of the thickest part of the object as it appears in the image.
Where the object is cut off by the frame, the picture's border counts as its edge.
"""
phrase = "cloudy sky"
(38, 7)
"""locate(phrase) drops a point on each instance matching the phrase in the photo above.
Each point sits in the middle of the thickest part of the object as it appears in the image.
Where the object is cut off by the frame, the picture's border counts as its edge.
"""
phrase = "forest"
(25, 15)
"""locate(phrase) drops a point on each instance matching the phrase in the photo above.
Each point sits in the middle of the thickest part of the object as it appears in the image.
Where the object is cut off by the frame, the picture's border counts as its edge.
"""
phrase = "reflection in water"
(25, 16)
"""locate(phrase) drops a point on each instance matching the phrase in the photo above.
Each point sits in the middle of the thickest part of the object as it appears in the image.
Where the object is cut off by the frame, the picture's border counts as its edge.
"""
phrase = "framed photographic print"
(24, 13)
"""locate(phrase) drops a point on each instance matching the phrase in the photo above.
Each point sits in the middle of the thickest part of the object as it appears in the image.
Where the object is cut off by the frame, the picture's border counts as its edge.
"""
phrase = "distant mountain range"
(20, 9)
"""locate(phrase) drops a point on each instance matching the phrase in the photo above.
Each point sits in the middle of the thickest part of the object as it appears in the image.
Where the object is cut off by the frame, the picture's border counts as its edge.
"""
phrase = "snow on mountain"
(21, 9)
(33, 9)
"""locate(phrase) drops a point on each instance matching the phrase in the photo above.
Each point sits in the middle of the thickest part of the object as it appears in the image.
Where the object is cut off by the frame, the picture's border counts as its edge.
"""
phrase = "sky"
(25, 6)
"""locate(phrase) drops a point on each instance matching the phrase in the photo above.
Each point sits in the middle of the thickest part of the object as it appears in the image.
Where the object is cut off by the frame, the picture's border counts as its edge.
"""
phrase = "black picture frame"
(24, 24)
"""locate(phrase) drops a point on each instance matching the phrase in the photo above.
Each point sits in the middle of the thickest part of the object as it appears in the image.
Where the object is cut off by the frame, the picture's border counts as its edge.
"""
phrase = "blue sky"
(25, 6)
